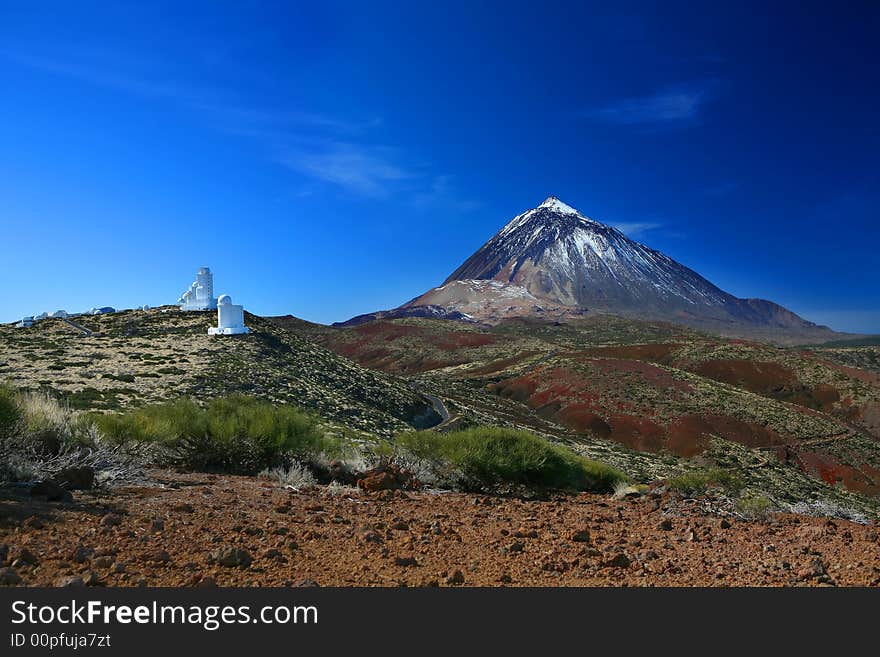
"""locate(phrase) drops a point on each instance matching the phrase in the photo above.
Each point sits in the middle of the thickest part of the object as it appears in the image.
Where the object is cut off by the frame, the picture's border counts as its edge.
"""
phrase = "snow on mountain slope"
(556, 263)
(560, 255)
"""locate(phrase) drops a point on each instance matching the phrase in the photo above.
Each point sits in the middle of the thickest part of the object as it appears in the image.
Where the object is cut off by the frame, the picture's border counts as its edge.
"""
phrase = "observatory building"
(200, 295)
(230, 318)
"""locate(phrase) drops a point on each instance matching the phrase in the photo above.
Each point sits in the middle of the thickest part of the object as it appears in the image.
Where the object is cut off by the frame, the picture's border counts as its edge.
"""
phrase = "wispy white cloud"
(104, 76)
(673, 105)
(322, 147)
(356, 168)
(636, 228)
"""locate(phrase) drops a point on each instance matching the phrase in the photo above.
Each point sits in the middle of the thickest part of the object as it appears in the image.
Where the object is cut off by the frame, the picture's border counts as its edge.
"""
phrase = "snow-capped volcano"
(557, 253)
(554, 260)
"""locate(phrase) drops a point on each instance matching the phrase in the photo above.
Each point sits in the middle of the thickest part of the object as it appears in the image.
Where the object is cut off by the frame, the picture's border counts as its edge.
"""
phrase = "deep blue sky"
(332, 159)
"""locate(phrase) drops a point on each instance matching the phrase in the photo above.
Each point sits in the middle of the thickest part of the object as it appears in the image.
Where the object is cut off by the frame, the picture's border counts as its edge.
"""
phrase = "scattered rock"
(81, 554)
(370, 536)
(158, 556)
(51, 490)
(725, 523)
(111, 520)
(405, 561)
(70, 582)
(619, 560)
(9, 577)
(456, 578)
(231, 557)
(338, 472)
(77, 478)
(305, 583)
(25, 558)
(580, 536)
(814, 570)
(524, 532)
(388, 476)
(92, 579)
(665, 525)
(34, 522)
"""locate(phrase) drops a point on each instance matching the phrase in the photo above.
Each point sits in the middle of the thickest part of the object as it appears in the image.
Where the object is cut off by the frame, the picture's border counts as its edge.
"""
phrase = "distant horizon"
(334, 160)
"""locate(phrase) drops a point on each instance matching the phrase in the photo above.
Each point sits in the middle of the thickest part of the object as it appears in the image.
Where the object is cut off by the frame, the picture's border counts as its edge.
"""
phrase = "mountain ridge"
(553, 261)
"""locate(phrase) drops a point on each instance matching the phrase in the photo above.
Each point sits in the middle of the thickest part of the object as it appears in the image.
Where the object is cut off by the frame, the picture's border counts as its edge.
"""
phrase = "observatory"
(230, 318)
(200, 295)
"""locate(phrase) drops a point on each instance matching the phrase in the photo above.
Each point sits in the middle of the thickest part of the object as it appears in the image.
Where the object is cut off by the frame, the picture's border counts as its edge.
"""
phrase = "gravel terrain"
(205, 530)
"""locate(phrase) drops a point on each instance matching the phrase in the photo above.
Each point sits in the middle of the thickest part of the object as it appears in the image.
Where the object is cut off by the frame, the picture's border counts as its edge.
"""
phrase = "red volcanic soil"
(756, 376)
(862, 479)
(689, 435)
(659, 352)
(637, 433)
(373, 345)
(579, 400)
(770, 380)
(204, 530)
(745, 433)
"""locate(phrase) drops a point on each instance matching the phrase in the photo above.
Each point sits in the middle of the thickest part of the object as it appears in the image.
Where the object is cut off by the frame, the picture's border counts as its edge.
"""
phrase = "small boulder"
(51, 490)
(111, 520)
(231, 557)
(580, 536)
(456, 578)
(92, 579)
(9, 577)
(619, 560)
(77, 478)
(25, 558)
(70, 582)
(81, 554)
(305, 583)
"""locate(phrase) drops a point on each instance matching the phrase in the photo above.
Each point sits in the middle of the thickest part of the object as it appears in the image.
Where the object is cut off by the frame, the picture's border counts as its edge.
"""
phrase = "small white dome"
(224, 300)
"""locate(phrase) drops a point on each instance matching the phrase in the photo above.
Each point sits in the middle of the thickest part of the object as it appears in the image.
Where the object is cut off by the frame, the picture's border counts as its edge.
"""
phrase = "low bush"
(697, 482)
(491, 457)
(10, 414)
(235, 434)
(40, 437)
(755, 507)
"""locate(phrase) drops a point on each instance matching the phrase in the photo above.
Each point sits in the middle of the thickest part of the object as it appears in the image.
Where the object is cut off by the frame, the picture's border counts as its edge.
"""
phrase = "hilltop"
(554, 263)
(135, 357)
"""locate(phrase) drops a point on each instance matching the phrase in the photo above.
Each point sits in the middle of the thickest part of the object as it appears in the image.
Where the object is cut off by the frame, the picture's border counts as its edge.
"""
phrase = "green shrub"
(754, 506)
(10, 414)
(488, 457)
(235, 434)
(697, 482)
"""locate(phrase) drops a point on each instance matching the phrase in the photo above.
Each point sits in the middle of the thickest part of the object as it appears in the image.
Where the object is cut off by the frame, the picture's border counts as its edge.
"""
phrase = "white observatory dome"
(224, 300)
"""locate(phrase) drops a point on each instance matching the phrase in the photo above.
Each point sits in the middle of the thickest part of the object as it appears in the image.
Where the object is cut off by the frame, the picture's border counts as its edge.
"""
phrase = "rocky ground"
(206, 530)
